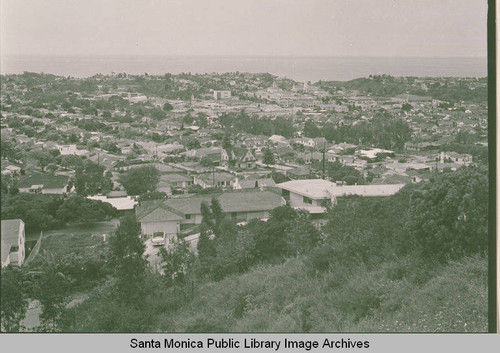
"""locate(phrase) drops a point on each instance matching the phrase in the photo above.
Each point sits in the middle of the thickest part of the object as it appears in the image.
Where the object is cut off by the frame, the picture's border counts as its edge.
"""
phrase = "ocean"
(298, 68)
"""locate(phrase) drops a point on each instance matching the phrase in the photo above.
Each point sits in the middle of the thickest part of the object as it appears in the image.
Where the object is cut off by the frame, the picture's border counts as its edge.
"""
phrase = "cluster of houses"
(162, 220)
(191, 156)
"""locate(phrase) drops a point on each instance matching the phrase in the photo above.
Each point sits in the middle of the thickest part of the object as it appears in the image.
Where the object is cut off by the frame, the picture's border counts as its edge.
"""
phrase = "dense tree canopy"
(91, 179)
(140, 180)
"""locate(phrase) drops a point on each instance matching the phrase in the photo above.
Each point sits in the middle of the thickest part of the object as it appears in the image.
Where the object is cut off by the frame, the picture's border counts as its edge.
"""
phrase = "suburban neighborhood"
(205, 176)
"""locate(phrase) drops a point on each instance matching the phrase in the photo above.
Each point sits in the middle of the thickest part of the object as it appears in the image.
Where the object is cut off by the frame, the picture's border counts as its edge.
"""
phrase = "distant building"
(252, 183)
(214, 179)
(13, 240)
(66, 150)
(222, 95)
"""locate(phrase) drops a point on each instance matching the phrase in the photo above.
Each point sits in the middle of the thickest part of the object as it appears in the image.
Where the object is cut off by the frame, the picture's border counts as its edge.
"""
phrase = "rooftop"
(236, 201)
(49, 181)
(323, 189)
(312, 188)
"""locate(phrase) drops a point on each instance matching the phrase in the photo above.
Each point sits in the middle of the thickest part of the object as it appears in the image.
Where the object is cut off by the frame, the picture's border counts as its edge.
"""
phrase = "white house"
(222, 95)
(315, 195)
(13, 240)
(66, 150)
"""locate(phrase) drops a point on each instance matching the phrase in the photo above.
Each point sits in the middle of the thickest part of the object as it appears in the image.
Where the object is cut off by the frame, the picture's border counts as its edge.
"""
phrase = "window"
(307, 200)
(188, 216)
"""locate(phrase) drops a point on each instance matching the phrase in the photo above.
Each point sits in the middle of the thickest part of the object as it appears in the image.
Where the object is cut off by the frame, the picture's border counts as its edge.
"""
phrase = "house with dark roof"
(12, 241)
(171, 181)
(214, 179)
(239, 157)
(162, 219)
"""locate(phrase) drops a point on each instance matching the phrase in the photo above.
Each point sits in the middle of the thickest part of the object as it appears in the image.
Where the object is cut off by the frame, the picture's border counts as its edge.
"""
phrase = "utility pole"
(213, 175)
(324, 150)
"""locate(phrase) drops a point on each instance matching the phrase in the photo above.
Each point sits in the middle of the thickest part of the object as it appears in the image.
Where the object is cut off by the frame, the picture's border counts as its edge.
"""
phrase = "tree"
(52, 167)
(301, 236)
(13, 299)
(268, 157)
(43, 158)
(311, 130)
(90, 179)
(51, 289)
(226, 142)
(271, 237)
(138, 181)
(127, 260)
(38, 211)
(79, 209)
(167, 107)
(449, 214)
(177, 261)
(152, 195)
(206, 249)
(71, 161)
(406, 107)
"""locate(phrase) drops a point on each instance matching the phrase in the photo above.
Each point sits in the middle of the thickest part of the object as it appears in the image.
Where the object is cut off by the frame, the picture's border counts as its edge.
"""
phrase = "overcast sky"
(244, 27)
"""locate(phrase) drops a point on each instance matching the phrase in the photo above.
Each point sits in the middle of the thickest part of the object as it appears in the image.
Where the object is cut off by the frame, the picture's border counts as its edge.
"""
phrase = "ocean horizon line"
(299, 68)
(238, 56)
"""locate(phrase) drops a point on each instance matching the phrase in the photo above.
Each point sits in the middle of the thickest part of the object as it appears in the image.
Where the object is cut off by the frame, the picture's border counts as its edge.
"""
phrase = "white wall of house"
(297, 200)
(17, 257)
(167, 227)
(247, 216)
(194, 219)
(54, 191)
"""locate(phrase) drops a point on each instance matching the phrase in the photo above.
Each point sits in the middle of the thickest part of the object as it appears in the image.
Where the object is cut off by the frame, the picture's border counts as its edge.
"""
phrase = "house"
(318, 142)
(171, 181)
(246, 160)
(178, 181)
(66, 150)
(162, 219)
(278, 140)
(125, 203)
(214, 179)
(314, 195)
(222, 95)
(44, 183)
(10, 169)
(13, 240)
(239, 157)
(299, 173)
(252, 183)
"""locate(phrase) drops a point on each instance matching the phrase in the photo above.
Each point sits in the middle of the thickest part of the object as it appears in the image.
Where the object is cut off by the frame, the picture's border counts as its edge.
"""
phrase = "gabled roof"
(157, 212)
(174, 177)
(218, 176)
(178, 208)
(189, 205)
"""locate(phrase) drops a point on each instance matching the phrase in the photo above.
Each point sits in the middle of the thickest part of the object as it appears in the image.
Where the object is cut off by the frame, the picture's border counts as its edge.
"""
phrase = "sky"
(379, 28)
